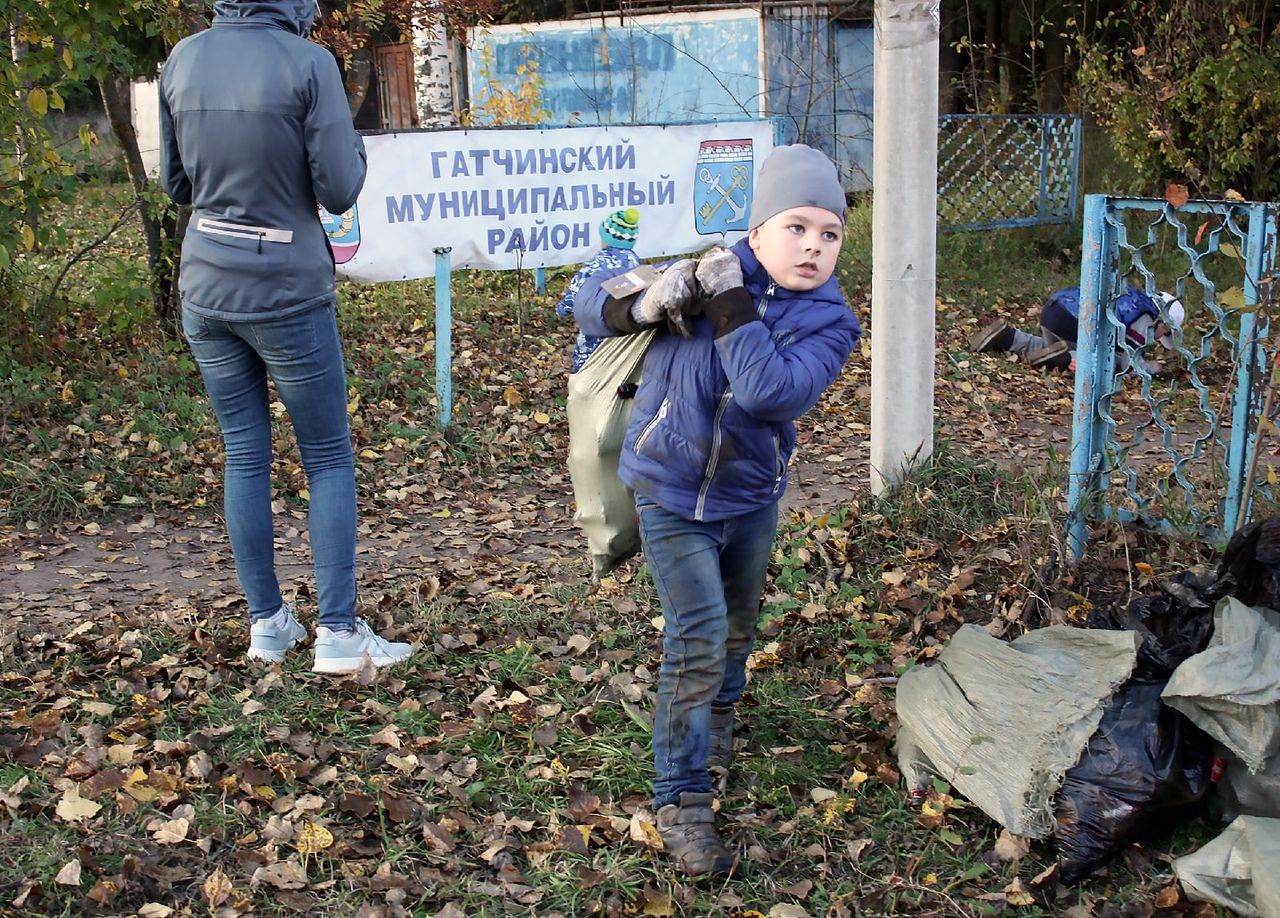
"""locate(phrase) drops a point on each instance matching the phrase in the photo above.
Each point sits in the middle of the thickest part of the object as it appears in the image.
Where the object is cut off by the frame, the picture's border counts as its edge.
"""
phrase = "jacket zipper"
(777, 464)
(713, 460)
(648, 428)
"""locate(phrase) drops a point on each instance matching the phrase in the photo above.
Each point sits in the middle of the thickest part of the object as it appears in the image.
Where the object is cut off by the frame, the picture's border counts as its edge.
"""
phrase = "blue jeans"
(303, 357)
(710, 580)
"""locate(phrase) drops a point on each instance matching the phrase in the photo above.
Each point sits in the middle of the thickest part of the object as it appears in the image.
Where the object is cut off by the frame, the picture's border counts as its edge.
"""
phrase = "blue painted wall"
(811, 73)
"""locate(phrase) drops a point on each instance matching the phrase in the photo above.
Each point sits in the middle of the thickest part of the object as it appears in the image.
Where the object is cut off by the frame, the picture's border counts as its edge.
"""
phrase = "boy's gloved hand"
(668, 298)
(718, 270)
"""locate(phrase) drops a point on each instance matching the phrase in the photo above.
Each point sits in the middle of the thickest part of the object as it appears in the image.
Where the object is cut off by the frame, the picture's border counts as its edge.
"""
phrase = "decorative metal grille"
(1007, 170)
(1172, 437)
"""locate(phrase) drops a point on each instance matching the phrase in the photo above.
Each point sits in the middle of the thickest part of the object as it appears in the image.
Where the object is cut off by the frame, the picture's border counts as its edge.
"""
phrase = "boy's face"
(798, 247)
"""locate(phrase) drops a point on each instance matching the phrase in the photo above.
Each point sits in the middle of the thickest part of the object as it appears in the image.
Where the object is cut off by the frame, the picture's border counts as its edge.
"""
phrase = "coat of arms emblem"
(722, 186)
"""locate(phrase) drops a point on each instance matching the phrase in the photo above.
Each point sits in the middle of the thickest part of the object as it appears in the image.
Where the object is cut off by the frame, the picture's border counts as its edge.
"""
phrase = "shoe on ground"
(269, 643)
(1056, 356)
(997, 336)
(720, 753)
(689, 837)
(341, 655)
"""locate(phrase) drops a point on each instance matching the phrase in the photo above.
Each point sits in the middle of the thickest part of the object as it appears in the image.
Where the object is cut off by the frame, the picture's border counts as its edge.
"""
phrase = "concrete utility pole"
(903, 237)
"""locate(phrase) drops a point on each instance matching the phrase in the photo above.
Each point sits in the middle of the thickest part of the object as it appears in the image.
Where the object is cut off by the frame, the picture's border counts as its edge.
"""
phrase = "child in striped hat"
(618, 234)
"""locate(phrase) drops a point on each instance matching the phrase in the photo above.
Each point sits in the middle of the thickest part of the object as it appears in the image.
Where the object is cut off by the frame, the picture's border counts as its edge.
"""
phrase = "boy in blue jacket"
(618, 234)
(1054, 348)
(763, 331)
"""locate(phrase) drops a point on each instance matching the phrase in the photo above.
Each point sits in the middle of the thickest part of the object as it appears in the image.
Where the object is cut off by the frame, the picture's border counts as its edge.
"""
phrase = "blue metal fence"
(1007, 170)
(1172, 437)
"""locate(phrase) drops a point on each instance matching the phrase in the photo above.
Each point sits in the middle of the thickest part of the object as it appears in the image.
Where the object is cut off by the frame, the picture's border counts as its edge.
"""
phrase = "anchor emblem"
(722, 185)
(738, 178)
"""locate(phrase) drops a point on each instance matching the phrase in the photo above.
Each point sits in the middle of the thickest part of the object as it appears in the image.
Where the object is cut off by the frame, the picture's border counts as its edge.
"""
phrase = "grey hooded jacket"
(254, 131)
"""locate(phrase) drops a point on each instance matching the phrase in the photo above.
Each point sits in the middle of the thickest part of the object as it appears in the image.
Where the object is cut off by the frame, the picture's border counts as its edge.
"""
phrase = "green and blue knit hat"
(621, 228)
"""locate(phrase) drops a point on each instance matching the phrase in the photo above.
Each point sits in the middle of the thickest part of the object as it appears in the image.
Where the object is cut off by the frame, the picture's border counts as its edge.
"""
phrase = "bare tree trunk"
(988, 85)
(1017, 64)
(18, 50)
(117, 101)
(1054, 97)
(951, 63)
(191, 14)
(434, 77)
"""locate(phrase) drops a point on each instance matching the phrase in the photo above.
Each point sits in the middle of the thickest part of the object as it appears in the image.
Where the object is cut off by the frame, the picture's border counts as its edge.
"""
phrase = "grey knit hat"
(796, 176)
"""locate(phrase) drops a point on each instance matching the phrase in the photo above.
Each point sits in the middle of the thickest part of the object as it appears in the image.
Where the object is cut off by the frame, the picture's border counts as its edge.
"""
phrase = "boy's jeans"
(710, 579)
(303, 357)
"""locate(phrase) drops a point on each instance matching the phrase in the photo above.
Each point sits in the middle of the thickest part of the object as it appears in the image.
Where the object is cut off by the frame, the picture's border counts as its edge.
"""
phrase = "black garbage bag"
(1250, 566)
(1144, 771)
(1174, 624)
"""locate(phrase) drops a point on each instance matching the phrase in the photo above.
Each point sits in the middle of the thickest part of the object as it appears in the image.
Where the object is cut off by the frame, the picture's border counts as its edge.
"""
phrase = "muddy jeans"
(710, 579)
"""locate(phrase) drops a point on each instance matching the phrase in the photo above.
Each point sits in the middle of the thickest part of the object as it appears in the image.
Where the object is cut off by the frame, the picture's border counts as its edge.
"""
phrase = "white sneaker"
(336, 654)
(269, 643)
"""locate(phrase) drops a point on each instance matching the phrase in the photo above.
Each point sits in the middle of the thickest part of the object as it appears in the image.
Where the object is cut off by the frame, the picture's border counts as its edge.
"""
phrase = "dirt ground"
(147, 564)
(490, 534)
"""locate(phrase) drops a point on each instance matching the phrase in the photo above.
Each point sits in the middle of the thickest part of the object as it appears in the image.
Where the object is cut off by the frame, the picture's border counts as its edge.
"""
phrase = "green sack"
(599, 408)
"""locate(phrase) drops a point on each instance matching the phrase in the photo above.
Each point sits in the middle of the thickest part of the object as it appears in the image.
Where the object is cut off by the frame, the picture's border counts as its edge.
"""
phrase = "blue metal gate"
(1007, 170)
(1171, 435)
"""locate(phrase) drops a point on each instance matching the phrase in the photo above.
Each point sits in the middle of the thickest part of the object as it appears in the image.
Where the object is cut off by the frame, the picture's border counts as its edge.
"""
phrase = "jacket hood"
(296, 16)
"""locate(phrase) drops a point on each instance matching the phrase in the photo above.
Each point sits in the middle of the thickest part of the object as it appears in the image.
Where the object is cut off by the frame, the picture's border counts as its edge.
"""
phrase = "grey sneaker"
(720, 754)
(1056, 356)
(336, 654)
(997, 336)
(269, 643)
(689, 837)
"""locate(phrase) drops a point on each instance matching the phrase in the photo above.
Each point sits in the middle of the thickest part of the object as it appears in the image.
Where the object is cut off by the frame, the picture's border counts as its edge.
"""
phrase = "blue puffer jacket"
(712, 428)
(254, 130)
(1061, 313)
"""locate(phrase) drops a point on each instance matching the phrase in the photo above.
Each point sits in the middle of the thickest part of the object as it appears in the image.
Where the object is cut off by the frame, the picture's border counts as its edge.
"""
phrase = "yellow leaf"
(645, 833)
(402, 763)
(1177, 195)
(369, 454)
(1272, 478)
(217, 888)
(512, 396)
(1145, 569)
(660, 907)
(313, 839)
(542, 417)
(38, 101)
(72, 807)
(28, 236)
(1017, 895)
(1233, 298)
(154, 910)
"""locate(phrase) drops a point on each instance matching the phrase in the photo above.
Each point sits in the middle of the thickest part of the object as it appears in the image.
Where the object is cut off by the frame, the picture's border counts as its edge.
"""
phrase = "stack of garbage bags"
(1094, 738)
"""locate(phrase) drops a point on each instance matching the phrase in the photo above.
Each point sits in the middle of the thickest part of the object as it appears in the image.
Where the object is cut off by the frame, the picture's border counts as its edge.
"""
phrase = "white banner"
(508, 198)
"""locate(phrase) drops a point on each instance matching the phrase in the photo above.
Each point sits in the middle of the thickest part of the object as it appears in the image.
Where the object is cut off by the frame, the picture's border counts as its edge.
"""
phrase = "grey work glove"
(669, 297)
(718, 270)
